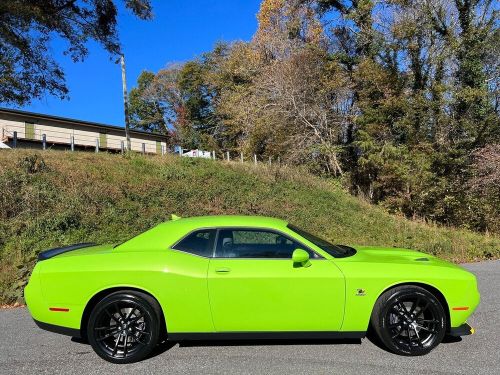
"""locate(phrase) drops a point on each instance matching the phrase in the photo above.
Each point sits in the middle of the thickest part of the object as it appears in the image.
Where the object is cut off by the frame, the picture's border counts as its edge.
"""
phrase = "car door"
(255, 286)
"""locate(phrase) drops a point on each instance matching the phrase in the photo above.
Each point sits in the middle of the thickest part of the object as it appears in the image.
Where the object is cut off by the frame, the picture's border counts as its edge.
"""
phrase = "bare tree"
(311, 96)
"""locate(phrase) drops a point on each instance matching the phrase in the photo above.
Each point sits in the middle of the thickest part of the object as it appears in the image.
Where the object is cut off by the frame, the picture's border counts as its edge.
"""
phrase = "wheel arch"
(105, 292)
(431, 289)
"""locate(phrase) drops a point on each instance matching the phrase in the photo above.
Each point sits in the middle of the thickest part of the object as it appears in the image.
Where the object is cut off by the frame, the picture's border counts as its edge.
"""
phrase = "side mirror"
(301, 258)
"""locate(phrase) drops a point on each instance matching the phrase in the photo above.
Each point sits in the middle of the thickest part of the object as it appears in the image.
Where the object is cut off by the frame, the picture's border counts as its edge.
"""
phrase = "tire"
(124, 327)
(409, 320)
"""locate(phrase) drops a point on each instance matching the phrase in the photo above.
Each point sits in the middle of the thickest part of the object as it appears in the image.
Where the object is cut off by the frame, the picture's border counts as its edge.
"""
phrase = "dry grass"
(60, 198)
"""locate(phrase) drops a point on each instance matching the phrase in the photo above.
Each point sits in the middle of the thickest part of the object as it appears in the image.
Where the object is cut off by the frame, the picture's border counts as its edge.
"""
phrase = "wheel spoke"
(111, 315)
(397, 334)
(115, 349)
(138, 339)
(119, 311)
(104, 328)
(136, 318)
(414, 306)
(107, 336)
(125, 346)
(419, 342)
(130, 313)
(427, 329)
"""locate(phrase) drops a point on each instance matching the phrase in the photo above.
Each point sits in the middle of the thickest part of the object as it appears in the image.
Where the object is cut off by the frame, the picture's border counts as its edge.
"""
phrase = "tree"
(27, 69)
(146, 111)
(308, 97)
(395, 96)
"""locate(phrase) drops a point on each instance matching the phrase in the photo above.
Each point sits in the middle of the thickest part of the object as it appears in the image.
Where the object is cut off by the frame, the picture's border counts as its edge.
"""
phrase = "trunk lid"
(85, 248)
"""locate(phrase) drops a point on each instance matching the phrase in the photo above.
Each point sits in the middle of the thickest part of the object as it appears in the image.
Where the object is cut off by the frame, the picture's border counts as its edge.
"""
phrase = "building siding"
(61, 132)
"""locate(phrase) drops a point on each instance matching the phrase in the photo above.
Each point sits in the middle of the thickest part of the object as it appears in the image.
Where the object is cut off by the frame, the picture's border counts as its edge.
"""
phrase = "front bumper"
(462, 330)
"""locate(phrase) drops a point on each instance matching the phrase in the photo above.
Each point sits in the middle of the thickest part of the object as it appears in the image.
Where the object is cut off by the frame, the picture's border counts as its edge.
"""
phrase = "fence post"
(213, 155)
(162, 150)
(227, 154)
(255, 158)
(97, 145)
(14, 140)
(72, 141)
(270, 160)
(44, 141)
(143, 148)
(122, 146)
(241, 156)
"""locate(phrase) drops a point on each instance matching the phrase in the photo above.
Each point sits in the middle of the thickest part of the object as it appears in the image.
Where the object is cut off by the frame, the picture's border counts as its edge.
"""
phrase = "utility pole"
(125, 102)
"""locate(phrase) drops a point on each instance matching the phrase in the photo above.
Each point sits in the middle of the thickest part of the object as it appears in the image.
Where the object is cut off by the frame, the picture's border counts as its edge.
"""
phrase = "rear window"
(199, 243)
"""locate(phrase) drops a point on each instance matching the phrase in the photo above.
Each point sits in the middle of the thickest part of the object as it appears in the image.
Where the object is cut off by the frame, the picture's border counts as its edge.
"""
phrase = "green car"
(241, 277)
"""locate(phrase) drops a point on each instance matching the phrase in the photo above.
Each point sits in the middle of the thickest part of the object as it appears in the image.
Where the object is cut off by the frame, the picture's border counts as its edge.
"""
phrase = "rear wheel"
(409, 320)
(124, 326)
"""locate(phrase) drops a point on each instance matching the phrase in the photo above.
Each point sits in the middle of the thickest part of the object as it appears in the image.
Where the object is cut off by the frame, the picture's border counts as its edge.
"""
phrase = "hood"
(375, 254)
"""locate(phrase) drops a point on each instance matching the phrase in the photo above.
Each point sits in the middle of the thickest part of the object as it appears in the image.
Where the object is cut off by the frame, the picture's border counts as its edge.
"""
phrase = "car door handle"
(223, 270)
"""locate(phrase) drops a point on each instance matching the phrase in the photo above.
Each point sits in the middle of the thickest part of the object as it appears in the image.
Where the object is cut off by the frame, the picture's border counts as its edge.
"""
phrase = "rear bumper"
(462, 330)
(58, 329)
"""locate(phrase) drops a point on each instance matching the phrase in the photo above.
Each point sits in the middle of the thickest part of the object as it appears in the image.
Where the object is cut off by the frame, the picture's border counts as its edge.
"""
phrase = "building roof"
(42, 116)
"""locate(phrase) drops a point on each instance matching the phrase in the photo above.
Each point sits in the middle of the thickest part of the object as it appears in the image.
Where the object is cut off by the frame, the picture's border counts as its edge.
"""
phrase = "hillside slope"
(55, 198)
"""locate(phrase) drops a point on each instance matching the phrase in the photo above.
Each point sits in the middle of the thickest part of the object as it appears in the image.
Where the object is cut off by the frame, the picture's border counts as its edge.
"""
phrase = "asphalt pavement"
(26, 349)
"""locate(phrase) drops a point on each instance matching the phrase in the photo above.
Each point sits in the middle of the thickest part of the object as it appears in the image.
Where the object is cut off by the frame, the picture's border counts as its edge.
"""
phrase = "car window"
(255, 243)
(198, 243)
(337, 251)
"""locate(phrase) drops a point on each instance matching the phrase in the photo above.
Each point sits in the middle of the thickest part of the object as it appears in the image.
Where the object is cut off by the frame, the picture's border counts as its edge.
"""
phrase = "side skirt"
(58, 329)
(299, 335)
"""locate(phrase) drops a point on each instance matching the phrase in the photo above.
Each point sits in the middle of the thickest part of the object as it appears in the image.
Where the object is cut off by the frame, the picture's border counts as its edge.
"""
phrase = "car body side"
(179, 280)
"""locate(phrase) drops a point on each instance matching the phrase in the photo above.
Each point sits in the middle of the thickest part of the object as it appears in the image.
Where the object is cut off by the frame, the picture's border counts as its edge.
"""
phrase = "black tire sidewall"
(150, 308)
(384, 304)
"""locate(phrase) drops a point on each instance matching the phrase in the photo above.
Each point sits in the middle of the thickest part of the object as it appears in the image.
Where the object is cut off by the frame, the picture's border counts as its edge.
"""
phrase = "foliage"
(394, 97)
(145, 112)
(27, 67)
(78, 197)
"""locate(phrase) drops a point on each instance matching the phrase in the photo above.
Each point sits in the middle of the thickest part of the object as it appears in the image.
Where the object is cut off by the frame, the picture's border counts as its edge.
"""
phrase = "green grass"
(55, 198)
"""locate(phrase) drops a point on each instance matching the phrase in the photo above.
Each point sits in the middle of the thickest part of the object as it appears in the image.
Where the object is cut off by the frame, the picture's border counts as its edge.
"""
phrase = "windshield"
(337, 251)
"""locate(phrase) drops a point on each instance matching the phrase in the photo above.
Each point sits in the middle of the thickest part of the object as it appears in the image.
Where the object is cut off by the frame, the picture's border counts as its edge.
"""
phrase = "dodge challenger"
(244, 277)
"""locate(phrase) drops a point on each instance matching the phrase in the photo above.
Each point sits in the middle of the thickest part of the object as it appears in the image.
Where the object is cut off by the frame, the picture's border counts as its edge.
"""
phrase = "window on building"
(103, 140)
(29, 130)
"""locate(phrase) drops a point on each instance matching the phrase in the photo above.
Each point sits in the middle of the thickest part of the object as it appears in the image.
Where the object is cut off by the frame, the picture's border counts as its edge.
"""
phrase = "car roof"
(230, 220)
(170, 231)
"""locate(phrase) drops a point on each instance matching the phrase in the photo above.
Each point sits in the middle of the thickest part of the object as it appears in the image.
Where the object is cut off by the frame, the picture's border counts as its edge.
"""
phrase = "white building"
(28, 130)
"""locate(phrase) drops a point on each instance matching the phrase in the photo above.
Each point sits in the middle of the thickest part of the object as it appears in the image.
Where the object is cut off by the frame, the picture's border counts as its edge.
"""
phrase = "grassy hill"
(56, 198)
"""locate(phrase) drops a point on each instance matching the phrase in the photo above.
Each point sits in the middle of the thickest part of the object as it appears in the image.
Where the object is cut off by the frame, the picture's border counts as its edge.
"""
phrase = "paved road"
(25, 349)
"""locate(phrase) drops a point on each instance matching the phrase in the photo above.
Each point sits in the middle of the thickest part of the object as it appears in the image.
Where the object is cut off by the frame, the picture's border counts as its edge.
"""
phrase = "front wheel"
(409, 320)
(124, 326)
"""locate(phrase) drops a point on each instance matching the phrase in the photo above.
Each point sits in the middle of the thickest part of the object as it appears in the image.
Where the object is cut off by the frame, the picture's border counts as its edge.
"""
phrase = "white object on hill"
(198, 154)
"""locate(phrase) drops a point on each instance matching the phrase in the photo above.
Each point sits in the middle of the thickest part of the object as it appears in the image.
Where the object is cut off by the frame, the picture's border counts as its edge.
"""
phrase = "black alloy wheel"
(409, 320)
(124, 327)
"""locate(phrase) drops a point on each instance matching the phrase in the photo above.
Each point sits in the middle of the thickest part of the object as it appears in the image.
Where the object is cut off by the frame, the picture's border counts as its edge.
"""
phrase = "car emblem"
(360, 292)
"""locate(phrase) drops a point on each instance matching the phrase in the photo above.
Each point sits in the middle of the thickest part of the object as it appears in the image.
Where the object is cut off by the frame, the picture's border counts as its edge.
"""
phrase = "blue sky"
(181, 30)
